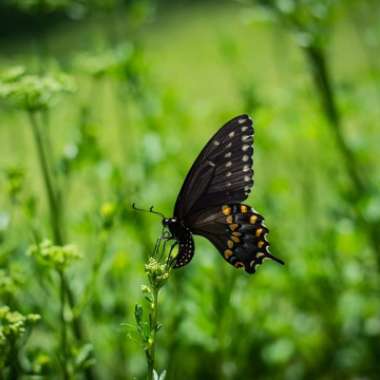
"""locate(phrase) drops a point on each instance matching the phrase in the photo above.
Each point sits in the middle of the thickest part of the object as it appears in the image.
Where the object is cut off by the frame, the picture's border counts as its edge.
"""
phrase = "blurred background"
(108, 102)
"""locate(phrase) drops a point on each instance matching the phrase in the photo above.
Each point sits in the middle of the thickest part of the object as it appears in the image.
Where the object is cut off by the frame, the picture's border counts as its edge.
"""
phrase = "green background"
(153, 82)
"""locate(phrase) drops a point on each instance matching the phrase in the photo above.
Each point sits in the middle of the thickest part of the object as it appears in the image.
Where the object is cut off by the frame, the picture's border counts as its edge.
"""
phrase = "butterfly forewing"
(222, 173)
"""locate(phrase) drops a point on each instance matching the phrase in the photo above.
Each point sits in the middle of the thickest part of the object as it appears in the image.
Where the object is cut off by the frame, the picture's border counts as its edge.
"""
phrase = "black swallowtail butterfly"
(209, 202)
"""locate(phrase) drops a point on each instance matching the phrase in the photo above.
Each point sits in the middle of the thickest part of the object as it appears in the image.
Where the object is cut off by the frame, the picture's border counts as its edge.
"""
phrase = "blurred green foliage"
(46, 6)
(153, 81)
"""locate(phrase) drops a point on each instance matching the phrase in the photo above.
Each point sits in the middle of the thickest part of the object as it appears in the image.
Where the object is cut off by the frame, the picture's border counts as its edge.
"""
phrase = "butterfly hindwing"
(222, 173)
(237, 231)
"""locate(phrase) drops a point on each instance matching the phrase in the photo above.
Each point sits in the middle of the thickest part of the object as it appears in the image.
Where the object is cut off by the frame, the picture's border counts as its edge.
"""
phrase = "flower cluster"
(158, 273)
(8, 284)
(110, 63)
(15, 177)
(158, 270)
(55, 256)
(13, 326)
(41, 6)
(125, 61)
(32, 92)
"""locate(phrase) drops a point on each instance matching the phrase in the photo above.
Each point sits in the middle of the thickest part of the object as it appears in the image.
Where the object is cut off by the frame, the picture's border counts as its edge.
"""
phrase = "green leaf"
(139, 314)
(84, 357)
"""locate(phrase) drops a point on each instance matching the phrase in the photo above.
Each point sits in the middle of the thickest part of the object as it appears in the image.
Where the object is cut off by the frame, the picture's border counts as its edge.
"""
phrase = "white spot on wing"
(229, 145)
(216, 142)
(245, 147)
(241, 121)
(247, 178)
(228, 155)
(231, 134)
(245, 168)
(228, 164)
(229, 174)
(245, 158)
(211, 163)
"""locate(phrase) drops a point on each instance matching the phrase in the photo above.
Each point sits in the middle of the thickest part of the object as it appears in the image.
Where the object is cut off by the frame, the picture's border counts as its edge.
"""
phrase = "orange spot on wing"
(243, 209)
(259, 231)
(233, 227)
(253, 219)
(226, 210)
(227, 253)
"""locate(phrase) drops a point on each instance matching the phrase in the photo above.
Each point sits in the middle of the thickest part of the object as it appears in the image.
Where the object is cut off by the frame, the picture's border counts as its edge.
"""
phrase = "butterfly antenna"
(276, 259)
(150, 210)
(156, 212)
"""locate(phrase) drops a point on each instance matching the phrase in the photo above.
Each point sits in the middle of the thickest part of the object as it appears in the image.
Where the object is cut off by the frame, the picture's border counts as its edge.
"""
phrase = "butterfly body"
(209, 203)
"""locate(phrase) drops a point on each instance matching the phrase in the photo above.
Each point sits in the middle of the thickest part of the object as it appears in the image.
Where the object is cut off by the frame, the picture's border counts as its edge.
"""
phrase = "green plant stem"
(56, 223)
(316, 57)
(153, 319)
(89, 289)
(64, 347)
(14, 368)
(321, 78)
(51, 195)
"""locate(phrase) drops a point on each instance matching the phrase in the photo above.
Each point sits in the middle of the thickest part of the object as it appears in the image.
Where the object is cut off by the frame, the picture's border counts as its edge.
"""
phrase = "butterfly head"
(172, 225)
(169, 222)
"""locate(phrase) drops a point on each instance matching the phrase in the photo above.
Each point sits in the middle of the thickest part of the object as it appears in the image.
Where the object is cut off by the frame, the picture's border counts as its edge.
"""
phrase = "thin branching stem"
(14, 368)
(56, 222)
(52, 198)
(316, 57)
(360, 185)
(90, 287)
(151, 353)
(64, 345)
(157, 268)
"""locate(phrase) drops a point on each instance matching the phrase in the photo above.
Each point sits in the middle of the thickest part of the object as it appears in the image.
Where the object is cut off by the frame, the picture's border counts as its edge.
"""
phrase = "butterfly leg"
(170, 261)
(157, 246)
(166, 235)
(163, 249)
